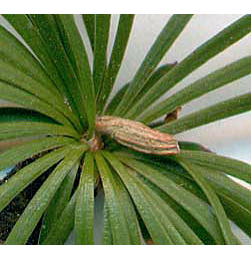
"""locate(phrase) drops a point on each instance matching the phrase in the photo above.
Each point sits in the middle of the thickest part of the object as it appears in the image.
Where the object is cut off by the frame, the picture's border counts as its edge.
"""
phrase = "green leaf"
(107, 231)
(84, 210)
(12, 51)
(29, 32)
(213, 199)
(157, 74)
(16, 95)
(33, 212)
(229, 166)
(226, 187)
(89, 21)
(19, 153)
(22, 129)
(221, 110)
(118, 51)
(230, 193)
(50, 30)
(75, 50)
(46, 51)
(17, 114)
(28, 174)
(147, 206)
(200, 87)
(13, 76)
(237, 214)
(113, 104)
(61, 230)
(195, 206)
(166, 38)
(102, 29)
(121, 213)
(58, 203)
(227, 37)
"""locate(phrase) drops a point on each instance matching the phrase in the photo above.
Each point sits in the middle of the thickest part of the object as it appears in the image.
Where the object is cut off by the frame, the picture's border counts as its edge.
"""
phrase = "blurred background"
(229, 137)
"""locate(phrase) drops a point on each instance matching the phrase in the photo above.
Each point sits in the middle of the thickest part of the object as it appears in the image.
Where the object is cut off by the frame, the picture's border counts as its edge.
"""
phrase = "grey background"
(229, 137)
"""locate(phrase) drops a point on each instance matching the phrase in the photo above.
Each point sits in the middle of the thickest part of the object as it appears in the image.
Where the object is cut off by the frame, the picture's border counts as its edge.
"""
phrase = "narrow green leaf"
(16, 95)
(226, 187)
(221, 110)
(75, 49)
(58, 203)
(50, 31)
(157, 74)
(234, 197)
(102, 29)
(120, 210)
(60, 232)
(237, 214)
(200, 87)
(229, 166)
(146, 205)
(165, 40)
(107, 231)
(171, 221)
(84, 211)
(89, 21)
(230, 194)
(39, 45)
(195, 206)
(213, 199)
(180, 219)
(16, 78)
(19, 153)
(184, 145)
(28, 174)
(12, 51)
(17, 114)
(33, 212)
(22, 129)
(227, 37)
(29, 32)
(113, 104)
(118, 51)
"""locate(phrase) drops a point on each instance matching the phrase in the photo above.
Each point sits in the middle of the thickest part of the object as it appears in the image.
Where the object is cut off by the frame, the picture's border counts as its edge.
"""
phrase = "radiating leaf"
(36, 207)
(89, 21)
(107, 231)
(12, 51)
(120, 210)
(218, 43)
(28, 174)
(61, 230)
(22, 129)
(213, 199)
(75, 50)
(58, 203)
(200, 87)
(234, 197)
(16, 95)
(29, 32)
(166, 38)
(221, 110)
(157, 74)
(102, 29)
(195, 206)
(118, 51)
(84, 211)
(146, 205)
(21, 152)
(229, 166)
